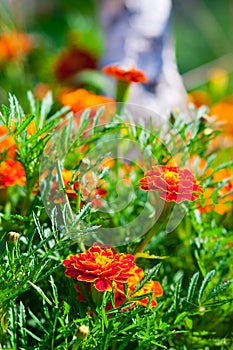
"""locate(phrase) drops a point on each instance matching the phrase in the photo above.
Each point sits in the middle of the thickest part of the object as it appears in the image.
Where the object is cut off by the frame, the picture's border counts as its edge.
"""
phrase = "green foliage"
(38, 304)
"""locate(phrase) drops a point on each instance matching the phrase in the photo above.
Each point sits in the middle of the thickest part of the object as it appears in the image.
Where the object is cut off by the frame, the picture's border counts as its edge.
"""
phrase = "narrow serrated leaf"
(41, 292)
(192, 287)
(25, 123)
(147, 278)
(219, 289)
(205, 283)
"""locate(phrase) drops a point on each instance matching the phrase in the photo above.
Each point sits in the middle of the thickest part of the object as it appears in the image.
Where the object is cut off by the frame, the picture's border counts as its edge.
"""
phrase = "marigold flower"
(223, 112)
(172, 183)
(101, 266)
(130, 75)
(13, 45)
(224, 195)
(225, 199)
(6, 141)
(11, 173)
(81, 99)
(72, 61)
(153, 287)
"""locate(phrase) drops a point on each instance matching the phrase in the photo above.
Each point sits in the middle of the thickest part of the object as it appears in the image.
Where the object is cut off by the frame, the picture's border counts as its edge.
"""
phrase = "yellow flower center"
(103, 260)
(171, 176)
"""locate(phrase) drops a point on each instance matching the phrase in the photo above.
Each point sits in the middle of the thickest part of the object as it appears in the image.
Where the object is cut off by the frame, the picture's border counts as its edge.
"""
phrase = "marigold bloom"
(223, 112)
(11, 173)
(101, 266)
(81, 99)
(224, 196)
(130, 75)
(6, 140)
(153, 287)
(13, 45)
(172, 183)
(225, 199)
(72, 61)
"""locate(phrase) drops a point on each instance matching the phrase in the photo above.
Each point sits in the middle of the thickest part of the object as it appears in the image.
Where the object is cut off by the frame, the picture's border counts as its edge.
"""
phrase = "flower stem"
(122, 94)
(160, 223)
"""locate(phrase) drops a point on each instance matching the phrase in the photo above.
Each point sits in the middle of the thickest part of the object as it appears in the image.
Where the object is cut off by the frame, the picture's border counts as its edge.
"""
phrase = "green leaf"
(205, 283)
(219, 289)
(46, 106)
(95, 79)
(150, 275)
(25, 123)
(55, 292)
(42, 294)
(192, 287)
(32, 102)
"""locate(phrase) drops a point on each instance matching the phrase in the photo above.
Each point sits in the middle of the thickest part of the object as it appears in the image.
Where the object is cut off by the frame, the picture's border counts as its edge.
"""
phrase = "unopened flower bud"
(82, 332)
(12, 237)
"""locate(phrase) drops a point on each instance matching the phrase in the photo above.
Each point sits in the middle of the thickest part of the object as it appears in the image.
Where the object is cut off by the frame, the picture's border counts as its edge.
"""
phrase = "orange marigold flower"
(129, 75)
(101, 266)
(13, 45)
(172, 183)
(81, 99)
(11, 173)
(153, 287)
(225, 197)
(6, 141)
(223, 112)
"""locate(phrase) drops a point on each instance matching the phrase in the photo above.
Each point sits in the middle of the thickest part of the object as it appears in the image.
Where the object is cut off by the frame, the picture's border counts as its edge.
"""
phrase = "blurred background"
(55, 44)
(203, 32)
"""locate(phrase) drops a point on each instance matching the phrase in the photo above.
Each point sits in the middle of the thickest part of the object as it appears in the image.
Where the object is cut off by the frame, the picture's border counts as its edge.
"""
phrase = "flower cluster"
(173, 184)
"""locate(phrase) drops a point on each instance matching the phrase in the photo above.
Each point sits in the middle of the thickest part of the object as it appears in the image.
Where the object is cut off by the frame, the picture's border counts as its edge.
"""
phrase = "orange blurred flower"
(223, 197)
(81, 99)
(172, 183)
(13, 45)
(71, 61)
(224, 112)
(130, 75)
(11, 173)
(199, 98)
(7, 142)
(100, 265)
(153, 287)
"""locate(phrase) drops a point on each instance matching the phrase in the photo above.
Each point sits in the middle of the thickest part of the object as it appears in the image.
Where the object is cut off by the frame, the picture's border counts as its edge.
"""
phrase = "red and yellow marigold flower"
(129, 75)
(11, 173)
(173, 184)
(100, 265)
